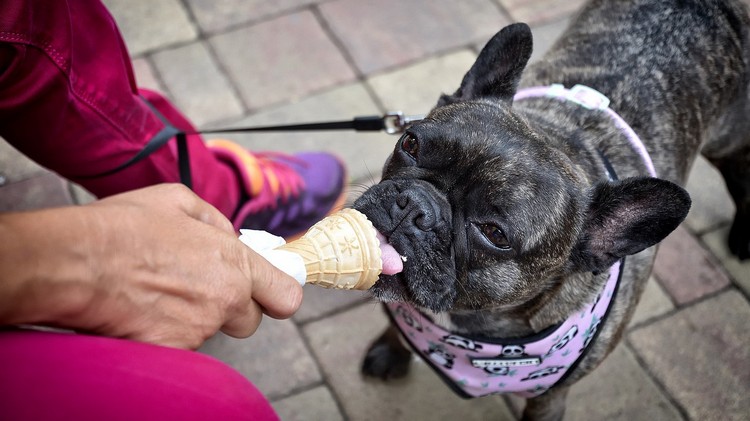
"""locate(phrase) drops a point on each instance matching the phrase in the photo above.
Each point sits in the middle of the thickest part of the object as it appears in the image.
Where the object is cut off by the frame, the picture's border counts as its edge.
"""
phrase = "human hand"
(166, 267)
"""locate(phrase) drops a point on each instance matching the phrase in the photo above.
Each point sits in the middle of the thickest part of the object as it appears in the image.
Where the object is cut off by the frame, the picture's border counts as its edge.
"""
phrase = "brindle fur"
(675, 70)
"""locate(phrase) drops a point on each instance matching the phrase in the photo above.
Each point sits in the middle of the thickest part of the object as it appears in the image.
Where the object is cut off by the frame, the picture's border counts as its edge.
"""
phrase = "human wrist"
(45, 268)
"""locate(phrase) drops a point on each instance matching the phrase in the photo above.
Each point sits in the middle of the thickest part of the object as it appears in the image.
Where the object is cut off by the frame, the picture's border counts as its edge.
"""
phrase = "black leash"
(391, 123)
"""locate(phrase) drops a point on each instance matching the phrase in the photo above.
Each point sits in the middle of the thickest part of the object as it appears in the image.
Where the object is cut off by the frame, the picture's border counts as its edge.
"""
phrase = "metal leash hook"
(395, 122)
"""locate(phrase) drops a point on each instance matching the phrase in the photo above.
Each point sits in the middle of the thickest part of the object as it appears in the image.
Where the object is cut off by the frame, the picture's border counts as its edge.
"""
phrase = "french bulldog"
(511, 214)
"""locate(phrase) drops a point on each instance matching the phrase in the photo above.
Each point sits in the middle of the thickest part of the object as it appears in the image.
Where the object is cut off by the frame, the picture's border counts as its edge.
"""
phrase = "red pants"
(53, 376)
(69, 101)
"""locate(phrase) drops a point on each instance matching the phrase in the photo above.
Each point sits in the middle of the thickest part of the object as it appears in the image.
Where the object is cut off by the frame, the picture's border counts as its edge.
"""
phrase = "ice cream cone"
(341, 251)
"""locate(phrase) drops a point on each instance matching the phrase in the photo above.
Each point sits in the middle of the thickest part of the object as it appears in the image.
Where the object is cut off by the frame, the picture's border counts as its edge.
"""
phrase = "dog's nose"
(415, 207)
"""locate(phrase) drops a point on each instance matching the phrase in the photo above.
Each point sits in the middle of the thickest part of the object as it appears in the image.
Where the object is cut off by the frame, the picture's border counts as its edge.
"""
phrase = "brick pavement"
(686, 353)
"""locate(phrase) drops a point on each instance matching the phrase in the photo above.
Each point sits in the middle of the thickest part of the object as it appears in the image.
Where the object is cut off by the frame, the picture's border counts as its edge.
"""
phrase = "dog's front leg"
(387, 357)
(547, 407)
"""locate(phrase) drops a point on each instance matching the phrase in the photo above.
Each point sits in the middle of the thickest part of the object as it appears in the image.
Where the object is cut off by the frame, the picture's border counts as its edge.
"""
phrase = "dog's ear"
(498, 68)
(625, 217)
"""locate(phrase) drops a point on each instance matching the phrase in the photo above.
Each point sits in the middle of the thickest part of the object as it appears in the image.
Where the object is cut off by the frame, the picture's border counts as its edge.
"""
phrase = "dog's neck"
(549, 308)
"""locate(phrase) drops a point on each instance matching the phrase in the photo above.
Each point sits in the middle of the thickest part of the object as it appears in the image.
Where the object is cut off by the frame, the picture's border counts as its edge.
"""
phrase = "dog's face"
(488, 213)
(479, 212)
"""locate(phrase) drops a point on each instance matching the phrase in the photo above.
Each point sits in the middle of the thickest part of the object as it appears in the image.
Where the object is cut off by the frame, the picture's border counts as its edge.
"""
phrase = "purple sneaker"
(286, 194)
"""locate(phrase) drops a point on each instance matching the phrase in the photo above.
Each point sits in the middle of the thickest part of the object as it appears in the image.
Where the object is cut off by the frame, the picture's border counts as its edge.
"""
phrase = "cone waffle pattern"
(341, 251)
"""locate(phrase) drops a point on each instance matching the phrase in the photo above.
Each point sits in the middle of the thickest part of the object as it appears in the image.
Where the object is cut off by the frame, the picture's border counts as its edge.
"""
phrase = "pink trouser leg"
(69, 101)
(54, 376)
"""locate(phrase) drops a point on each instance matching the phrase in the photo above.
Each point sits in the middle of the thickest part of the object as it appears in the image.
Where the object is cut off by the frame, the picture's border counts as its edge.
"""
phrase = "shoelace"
(280, 181)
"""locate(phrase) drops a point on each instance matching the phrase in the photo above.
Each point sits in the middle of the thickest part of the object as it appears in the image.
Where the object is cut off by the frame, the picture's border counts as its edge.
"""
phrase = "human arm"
(157, 265)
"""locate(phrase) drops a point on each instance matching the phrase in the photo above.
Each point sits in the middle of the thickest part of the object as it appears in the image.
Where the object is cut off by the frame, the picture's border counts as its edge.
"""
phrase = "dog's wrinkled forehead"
(506, 169)
(475, 120)
(493, 137)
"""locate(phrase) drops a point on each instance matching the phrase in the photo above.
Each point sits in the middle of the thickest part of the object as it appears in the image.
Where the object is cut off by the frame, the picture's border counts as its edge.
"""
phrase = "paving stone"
(275, 358)
(314, 404)
(686, 270)
(320, 302)
(339, 343)
(545, 35)
(700, 355)
(197, 86)
(712, 205)
(218, 15)
(619, 389)
(363, 153)
(739, 271)
(146, 25)
(44, 190)
(145, 76)
(540, 11)
(654, 302)
(15, 166)
(416, 89)
(383, 34)
(281, 59)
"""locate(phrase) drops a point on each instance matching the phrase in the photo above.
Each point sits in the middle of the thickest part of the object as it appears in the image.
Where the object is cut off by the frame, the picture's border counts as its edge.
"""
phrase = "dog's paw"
(386, 361)
(739, 239)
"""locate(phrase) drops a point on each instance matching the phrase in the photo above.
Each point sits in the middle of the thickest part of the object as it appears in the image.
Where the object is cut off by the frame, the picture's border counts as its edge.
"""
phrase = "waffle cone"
(341, 251)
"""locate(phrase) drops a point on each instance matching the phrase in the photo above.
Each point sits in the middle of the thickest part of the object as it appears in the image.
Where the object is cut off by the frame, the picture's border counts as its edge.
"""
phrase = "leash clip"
(395, 122)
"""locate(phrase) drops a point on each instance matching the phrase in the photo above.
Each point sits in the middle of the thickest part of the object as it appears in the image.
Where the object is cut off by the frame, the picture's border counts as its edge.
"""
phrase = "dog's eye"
(410, 145)
(495, 235)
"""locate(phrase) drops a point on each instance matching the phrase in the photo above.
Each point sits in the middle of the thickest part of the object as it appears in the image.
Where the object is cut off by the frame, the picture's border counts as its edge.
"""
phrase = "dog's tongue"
(392, 263)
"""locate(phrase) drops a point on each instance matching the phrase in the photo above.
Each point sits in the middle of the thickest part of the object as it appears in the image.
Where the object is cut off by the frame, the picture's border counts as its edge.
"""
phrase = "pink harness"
(529, 366)
(476, 367)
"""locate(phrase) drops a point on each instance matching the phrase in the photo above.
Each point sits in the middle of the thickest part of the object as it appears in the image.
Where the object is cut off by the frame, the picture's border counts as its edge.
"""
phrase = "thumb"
(272, 292)
(278, 294)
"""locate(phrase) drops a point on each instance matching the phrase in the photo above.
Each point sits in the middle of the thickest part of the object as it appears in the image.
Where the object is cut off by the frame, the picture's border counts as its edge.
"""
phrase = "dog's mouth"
(393, 262)
(391, 285)
(416, 280)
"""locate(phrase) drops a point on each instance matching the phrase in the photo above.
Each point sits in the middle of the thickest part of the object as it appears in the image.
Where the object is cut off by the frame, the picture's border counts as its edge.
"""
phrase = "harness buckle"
(582, 95)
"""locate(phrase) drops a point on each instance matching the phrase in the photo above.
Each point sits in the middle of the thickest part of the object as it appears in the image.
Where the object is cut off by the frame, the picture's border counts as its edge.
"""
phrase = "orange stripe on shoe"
(273, 181)
(248, 161)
